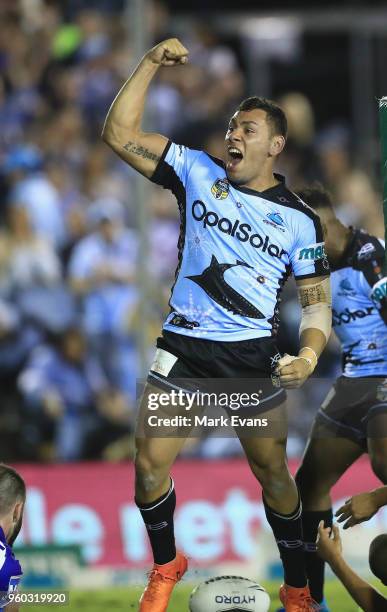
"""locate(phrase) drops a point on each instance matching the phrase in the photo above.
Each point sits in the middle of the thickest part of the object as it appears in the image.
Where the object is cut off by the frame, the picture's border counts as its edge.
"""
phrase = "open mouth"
(235, 157)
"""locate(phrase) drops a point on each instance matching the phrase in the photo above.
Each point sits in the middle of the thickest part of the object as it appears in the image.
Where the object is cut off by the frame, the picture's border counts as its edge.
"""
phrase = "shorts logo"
(220, 189)
(366, 251)
(312, 252)
(346, 288)
(163, 362)
(275, 221)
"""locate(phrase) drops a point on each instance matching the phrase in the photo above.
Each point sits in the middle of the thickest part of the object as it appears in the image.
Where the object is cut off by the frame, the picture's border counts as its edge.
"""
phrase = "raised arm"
(122, 129)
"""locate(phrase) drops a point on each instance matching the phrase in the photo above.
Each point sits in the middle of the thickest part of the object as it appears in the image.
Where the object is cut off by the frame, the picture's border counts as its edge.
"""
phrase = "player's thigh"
(377, 445)
(325, 460)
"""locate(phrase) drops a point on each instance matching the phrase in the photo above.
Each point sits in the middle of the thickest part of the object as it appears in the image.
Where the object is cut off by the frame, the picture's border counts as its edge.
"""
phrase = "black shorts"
(245, 363)
(350, 407)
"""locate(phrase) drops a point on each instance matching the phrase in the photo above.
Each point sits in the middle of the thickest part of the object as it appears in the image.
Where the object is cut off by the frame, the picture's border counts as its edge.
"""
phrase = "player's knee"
(379, 465)
(272, 475)
(149, 473)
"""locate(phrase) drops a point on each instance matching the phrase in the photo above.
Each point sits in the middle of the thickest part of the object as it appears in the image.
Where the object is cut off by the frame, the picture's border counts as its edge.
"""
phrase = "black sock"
(314, 564)
(158, 519)
(287, 529)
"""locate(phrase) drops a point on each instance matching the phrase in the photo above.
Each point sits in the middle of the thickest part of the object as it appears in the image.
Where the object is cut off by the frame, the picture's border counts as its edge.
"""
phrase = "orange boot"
(161, 583)
(297, 600)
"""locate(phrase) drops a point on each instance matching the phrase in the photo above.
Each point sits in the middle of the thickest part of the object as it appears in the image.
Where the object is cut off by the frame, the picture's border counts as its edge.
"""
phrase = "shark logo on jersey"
(346, 288)
(213, 282)
(220, 189)
(275, 221)
(366, 251)
(276, 218)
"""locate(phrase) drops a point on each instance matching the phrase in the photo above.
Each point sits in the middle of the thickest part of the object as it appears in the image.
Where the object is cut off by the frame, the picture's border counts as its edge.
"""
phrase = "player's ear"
(277, 144)
(17, 511)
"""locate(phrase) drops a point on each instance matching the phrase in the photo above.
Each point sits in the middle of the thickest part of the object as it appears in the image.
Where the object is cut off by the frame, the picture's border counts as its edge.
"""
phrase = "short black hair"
(378, 557)
(316, 196)
(275, 115)
(12, 488)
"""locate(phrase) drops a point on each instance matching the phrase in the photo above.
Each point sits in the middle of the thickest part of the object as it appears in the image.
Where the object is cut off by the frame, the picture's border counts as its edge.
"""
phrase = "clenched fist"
(168, 53)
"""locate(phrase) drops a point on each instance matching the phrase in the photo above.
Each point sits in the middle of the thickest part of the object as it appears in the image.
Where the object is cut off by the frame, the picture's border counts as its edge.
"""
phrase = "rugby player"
(242, 232)
(359, 508)
(353, 417)
(12, 500)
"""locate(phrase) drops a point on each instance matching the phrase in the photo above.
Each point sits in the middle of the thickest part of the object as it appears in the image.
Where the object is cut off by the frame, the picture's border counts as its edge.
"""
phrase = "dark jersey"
(10, 572)
(237, 247)
(359, 323)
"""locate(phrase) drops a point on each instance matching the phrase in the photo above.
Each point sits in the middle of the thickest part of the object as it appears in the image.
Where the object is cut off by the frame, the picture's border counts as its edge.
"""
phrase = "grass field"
(125, 599)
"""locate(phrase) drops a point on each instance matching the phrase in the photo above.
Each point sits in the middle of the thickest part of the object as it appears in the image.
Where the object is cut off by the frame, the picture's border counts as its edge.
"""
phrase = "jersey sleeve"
(369, 260)
(173, 169)
(308, 257)
(10, 575)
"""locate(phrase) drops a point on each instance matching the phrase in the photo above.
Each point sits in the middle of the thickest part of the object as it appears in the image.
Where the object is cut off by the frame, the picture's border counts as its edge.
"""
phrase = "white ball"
(229, 594)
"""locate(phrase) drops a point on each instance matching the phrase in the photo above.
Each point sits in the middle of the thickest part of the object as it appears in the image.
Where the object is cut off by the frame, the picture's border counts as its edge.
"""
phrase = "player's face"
(249, 145)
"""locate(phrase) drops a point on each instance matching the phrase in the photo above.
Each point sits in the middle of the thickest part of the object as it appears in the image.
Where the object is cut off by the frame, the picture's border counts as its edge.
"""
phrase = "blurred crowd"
(71, 297)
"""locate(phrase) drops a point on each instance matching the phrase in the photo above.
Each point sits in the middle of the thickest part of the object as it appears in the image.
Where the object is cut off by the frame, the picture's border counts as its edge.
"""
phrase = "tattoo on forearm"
(132, 147)
(312, 295)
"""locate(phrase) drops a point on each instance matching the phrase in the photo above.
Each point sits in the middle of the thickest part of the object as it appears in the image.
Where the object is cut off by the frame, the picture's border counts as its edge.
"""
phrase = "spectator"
(67, 397)
(102, 272)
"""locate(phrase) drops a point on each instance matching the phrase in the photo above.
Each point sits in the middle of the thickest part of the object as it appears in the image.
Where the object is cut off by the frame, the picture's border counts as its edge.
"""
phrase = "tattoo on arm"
(312, 294)
(132, 147)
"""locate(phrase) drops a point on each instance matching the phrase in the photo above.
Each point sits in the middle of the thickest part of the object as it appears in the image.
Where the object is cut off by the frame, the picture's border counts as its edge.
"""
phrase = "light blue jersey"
(357, 320)
(237, 247)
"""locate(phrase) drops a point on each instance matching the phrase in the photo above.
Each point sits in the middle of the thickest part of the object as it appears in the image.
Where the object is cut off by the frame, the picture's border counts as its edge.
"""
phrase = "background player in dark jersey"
(251, 231)
(12, 500)
(353, 418)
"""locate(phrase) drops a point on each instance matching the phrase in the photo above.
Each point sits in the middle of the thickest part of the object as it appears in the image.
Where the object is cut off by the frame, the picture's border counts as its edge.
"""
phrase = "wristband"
(312, 361)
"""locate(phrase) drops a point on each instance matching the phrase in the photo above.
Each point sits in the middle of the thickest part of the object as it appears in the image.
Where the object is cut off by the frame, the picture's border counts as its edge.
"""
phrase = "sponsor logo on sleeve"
(312, 252)
(379, 291)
